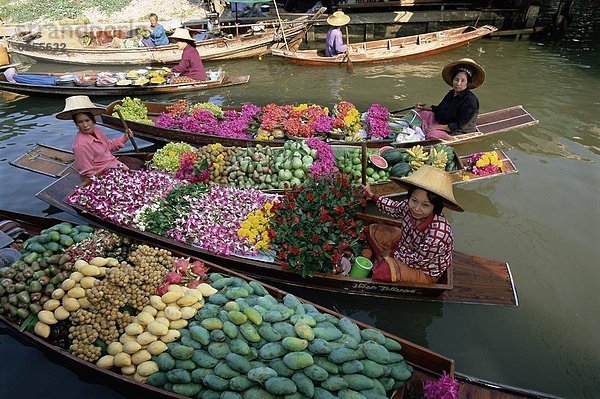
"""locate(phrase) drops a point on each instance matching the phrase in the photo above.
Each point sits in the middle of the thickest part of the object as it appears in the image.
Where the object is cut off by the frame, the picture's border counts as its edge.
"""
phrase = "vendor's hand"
(422, 107)
(368, 191)
(128, 133)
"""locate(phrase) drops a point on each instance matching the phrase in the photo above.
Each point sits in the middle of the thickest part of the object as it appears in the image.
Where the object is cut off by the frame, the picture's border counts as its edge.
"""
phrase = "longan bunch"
(83, 336)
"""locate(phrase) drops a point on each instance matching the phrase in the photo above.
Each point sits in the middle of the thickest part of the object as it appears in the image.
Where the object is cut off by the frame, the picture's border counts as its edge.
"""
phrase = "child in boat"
(334, 43)
(190, 66)
(421, 250)
(91, 148)
(457, 113)
(158, 36)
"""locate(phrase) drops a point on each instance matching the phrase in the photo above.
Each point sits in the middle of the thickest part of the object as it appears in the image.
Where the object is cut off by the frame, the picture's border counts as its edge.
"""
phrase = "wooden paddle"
(402, 110)
(349, 66)
(135, 147)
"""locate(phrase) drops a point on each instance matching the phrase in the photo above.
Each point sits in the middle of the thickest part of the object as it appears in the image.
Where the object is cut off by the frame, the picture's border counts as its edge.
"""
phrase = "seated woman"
(91, 148)
(420, 250)
(334, 43)
(457, 113)
(158, 36)
(190, 65)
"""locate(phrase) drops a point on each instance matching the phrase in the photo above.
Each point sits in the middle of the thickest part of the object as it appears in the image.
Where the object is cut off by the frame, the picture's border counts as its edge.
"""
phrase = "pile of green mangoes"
(349, 161)
(29, 282)
(245, 344)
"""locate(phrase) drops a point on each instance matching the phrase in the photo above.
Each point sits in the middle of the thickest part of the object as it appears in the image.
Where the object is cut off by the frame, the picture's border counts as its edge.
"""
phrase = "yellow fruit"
(171, 296)
(157, 328)
(47, 317)
(87, 282)
(114, 348)
(61, 313)
(172, 313)
(68, 284)
(99, 261)
(147, 368)
(106, 362)
(128, 370)
(76, 292)
(141, 357)
(122, 359)
(76, 276)
(134, 329)
(206, 289)
(144, 318)
(156, 347)
(187, 300)
(128, 338)
(157, 302)
(178, 324)
(131, 347)
(173, 335)
(151, 310)
(42, 329)
(51, 304)
(58, 293)
(146, 338)
(188, 312)
(79, 264)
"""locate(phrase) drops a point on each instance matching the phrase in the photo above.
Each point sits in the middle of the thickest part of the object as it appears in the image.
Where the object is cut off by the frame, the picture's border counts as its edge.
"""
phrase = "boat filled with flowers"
(272, 124)
(304, 235)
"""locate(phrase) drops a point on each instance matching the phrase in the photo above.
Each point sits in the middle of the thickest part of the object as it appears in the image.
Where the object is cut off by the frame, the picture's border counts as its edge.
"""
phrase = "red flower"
(339, 210)
(271, 234)
(327, 247)
(284, 265)
(314, 239)
(296, 220)
(299, 233)
(310, 196)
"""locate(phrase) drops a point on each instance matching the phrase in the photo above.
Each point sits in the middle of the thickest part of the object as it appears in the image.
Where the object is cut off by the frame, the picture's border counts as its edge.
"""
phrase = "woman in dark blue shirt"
(458, 110)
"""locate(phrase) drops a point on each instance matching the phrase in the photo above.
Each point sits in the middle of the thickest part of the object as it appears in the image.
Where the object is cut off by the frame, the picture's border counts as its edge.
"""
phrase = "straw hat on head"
(432, 179)
(182, 34)
(76, 104)
(338, 18)
(470, 67)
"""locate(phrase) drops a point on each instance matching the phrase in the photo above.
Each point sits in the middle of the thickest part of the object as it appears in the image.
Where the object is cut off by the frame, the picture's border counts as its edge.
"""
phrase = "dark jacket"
(458, 112)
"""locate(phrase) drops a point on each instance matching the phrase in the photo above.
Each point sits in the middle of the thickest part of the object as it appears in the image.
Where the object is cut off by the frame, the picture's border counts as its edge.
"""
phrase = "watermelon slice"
(384, 149)
(378, 161)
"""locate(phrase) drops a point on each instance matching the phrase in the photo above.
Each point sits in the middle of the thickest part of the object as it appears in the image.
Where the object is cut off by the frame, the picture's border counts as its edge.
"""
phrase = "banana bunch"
(439, 159)
(417, 157)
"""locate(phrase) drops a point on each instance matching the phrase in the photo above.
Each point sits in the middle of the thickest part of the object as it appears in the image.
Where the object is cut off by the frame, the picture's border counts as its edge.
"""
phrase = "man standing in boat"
(334, 43)
(158, 36)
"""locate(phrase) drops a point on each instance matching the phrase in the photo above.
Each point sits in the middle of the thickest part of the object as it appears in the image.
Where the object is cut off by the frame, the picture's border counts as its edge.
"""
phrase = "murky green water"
(542, 221)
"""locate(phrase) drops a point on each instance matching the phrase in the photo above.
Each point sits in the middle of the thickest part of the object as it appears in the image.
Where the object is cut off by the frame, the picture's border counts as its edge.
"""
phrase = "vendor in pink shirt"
(91, 148)
(190, 65)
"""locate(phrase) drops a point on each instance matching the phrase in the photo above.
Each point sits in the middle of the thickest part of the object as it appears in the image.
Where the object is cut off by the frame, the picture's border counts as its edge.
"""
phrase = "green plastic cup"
(361, 267)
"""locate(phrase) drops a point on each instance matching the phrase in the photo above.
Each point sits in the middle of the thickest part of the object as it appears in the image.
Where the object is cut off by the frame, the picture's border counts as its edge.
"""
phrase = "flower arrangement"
(484, 163)
(303, 120)
(184, 273)
(377, 122)
(193, 169)
(256, 227)
(118, 194)
(444, 388)
(238, 124)
(315, 225)
(346, 120)
(325, 159)
(167, 158)
(215, 217)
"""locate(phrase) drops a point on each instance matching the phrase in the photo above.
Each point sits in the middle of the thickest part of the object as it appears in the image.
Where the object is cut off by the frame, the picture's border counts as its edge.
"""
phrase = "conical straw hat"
(338, 18)
(75, 104)
(477, 72)
(432, 179)
(182, 34)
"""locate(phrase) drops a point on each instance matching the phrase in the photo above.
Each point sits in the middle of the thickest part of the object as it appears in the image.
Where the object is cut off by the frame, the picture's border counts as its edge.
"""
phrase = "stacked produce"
(157, 325)
(100, 298)
(29, 282)
(349, 160)
(405, 161)
(133, 109)
(244, 343)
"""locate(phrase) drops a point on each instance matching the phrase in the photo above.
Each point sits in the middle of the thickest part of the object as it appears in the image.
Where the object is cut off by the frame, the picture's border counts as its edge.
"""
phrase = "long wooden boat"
(470, 279)
(119, 91)
(397, 49)
(428, 365)
(250, 44)
(488, 124)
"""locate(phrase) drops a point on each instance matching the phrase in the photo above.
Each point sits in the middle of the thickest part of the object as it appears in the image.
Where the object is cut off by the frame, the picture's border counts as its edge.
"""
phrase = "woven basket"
(4, 58)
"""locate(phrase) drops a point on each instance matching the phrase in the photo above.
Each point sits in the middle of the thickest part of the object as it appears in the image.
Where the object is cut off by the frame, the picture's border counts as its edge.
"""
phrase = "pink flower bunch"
(323, 124)
(191, 170)
(184, 273)
(444, 388)
(215, 218)
(236, 124)
(273, 116)
(325, 163)
(117, 194)
(377, 122)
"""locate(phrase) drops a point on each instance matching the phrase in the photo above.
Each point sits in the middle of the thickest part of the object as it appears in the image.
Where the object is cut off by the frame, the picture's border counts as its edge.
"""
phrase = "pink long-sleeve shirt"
(190, 64)
(93, 152)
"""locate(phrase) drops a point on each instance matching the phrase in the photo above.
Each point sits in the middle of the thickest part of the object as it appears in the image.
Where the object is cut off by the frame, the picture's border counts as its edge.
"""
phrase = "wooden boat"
(488, 124)
(119, 91)
(470, 279)
(428, 365)
(250, 44)
(397, 49)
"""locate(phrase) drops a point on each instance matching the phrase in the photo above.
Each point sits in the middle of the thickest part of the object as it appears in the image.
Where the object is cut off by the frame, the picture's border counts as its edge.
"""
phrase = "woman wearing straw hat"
(91, 148)
(420, 250)
(190, 65)
(334, 43)
(457, 113)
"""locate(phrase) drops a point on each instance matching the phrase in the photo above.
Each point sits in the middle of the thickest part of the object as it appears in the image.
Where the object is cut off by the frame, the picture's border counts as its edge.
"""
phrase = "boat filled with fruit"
(249, 125)
(150, 321)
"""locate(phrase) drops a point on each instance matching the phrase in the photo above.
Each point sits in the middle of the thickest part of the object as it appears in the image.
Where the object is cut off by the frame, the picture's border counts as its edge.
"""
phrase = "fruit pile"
(133, 109)
(245, 343)
(405, 161)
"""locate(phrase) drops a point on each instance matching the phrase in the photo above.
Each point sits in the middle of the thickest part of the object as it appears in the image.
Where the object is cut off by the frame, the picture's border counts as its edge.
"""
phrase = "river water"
(543, 221)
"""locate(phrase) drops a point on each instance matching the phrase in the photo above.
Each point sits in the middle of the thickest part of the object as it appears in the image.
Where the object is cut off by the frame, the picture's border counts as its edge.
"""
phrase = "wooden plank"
(47, 160)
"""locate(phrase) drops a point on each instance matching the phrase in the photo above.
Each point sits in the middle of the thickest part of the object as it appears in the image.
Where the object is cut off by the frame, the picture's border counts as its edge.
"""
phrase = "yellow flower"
(216, 166)
(172, 153)
(215, 146)
(301, 107)
(220, 157)
(465, 177)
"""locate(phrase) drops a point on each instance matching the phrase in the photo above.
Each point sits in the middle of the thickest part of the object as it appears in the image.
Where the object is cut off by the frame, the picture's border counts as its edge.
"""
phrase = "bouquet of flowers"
(167, 158)
(315, 225)
(346, 120)
(484, 163)
(256, 227)
(381, 124)
(303, 120)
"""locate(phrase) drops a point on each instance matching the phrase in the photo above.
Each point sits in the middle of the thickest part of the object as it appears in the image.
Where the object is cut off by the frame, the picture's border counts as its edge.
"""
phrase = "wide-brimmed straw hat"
(338, 18)
(432, 179)
(470, 66)
(76, 104)
(182, 34)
